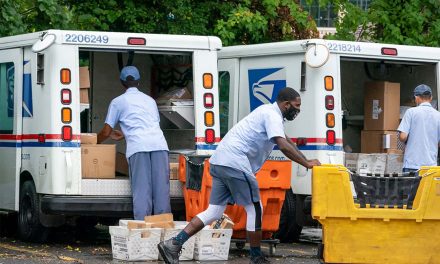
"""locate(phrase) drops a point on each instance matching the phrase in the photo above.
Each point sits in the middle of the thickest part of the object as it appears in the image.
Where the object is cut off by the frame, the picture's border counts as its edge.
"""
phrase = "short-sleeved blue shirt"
(249, 143)
(139, 119)
(422, 124)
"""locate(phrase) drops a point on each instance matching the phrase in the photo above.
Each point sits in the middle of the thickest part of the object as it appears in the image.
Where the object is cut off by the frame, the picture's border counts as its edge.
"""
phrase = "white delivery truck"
(42, 116)
(330, 77)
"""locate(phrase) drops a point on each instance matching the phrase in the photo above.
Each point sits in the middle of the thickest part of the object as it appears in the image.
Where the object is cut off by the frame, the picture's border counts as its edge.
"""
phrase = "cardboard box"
(378, 141)
(121, 164)
(89, 138)
(84, 96)
(371, 163)
(158, 218)
(351, 161)
(394, 163)
(173, 157)
(98, 161)
(84, 78)
(223, 223)
(136, 224)
(174, 171)
(381, 106)
(160, 221)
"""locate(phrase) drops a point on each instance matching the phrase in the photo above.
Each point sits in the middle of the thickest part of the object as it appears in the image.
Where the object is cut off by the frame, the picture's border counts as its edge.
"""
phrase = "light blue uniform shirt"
(248, 144)
(422, 124)
(138, 117)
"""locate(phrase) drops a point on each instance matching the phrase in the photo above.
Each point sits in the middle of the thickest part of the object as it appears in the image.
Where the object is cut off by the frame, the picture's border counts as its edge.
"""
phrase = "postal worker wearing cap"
(420, 130)
(147, 149)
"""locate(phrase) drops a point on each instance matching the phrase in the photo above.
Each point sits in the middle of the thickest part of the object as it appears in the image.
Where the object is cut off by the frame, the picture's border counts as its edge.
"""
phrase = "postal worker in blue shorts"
(238, 157)
(147, 149)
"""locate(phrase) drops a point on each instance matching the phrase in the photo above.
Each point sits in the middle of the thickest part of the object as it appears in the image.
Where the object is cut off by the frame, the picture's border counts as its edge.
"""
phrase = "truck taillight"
(331, 137)
(209, 136)
(328, 83)
(389, 51)
(209, 118)
(66, 115)
(208, 100)
(136, 41)
(66, 96)
(330, 120)
(207, 80)
(67, 133)
(329, 102)
(65, 76)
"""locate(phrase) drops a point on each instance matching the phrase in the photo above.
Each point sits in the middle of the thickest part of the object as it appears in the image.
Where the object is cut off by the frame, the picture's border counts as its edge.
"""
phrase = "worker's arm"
(105, 133)
(292, 152)
(403, 137)
(295, 147)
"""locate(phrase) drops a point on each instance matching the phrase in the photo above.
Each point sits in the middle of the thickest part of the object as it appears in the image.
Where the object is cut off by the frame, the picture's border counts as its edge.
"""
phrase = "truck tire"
(29, 226)
(289, 231)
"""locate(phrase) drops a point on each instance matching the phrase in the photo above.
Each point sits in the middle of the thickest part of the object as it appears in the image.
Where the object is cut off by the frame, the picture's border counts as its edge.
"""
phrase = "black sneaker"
(259, 260)
(170, 251)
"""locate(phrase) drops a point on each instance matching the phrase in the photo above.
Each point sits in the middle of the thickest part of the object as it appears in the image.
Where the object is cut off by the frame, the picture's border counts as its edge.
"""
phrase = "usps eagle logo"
(264, 85)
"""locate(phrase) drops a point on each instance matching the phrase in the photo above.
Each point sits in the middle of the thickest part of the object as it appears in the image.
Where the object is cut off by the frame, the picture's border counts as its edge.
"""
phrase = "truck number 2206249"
(84, 38)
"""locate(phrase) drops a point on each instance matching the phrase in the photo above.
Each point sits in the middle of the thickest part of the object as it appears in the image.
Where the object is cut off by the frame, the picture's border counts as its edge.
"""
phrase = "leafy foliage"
(415, 22)
(235, 21)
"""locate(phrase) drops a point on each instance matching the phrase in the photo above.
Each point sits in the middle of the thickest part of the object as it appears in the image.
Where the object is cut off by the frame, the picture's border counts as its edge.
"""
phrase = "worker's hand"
(116, 135)
(313, 162)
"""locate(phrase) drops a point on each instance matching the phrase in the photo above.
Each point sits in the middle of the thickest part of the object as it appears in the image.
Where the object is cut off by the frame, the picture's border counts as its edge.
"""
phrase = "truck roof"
(348, 48)
(116, 40)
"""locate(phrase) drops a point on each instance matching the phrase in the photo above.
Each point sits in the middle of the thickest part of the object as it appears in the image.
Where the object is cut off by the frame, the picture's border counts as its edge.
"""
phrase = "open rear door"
(11, 87)
(228, 76)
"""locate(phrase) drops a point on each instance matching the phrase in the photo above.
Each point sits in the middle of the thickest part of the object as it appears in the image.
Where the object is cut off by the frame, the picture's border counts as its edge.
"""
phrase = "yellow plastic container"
(376, 235)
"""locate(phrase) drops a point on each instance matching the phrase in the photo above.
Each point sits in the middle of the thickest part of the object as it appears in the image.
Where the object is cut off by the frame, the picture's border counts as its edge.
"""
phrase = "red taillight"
(389, 51)
(136, 41)
(208, 100)
(301, 141)
(209, 136)
(331, 137)
(67, 133)
(66, 96)
(329, 102)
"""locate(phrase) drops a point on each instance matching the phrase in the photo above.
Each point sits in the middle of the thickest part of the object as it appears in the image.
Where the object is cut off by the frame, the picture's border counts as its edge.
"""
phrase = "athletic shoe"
(259, 260)
(170, 251)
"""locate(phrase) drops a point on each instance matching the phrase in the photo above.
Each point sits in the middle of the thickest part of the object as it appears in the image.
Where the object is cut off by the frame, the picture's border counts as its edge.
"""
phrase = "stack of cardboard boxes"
(382, 152)
(381, 112)
(97, 160)
(84, 85)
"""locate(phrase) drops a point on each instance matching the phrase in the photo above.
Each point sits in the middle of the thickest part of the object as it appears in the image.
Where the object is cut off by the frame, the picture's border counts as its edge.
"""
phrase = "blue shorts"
(227, 187)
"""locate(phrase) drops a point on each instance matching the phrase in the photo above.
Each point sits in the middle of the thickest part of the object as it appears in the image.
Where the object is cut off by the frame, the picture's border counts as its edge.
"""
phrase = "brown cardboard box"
(84, 96)
(98, 161)
(89, 138)
(84, 78)
(160, 221)
(158, 218)
(381, 106)
(136, 224)
(121, 164)
(378, 141)
(174, 171)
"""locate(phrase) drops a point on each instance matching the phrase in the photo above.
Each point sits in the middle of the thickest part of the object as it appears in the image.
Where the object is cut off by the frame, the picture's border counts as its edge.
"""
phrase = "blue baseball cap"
(129, 71)
(422, 89)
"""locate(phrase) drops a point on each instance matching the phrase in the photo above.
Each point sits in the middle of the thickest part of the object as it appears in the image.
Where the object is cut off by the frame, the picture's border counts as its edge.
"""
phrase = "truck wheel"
(29, 226)
(289, 231)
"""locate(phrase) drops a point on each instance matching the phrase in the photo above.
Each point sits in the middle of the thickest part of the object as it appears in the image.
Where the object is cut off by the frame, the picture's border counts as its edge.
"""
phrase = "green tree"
(415, 22)
(17, 17)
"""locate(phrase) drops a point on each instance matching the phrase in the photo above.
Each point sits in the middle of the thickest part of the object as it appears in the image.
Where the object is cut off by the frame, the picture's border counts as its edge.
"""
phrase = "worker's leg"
(140, 178)
(160, 172)
(254, 213)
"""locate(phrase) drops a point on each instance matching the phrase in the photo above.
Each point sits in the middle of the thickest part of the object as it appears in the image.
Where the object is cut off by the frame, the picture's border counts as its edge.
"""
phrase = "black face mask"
(291, 113)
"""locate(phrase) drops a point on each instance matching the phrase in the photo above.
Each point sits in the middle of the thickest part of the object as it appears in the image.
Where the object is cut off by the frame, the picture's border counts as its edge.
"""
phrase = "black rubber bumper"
(104, 206)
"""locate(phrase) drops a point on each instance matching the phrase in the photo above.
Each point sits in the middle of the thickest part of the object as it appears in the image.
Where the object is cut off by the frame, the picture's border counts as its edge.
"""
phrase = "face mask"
(291, 113)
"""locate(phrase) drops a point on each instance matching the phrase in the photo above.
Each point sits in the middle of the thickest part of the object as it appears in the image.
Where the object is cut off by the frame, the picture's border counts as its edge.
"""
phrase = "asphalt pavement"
(68, 245)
